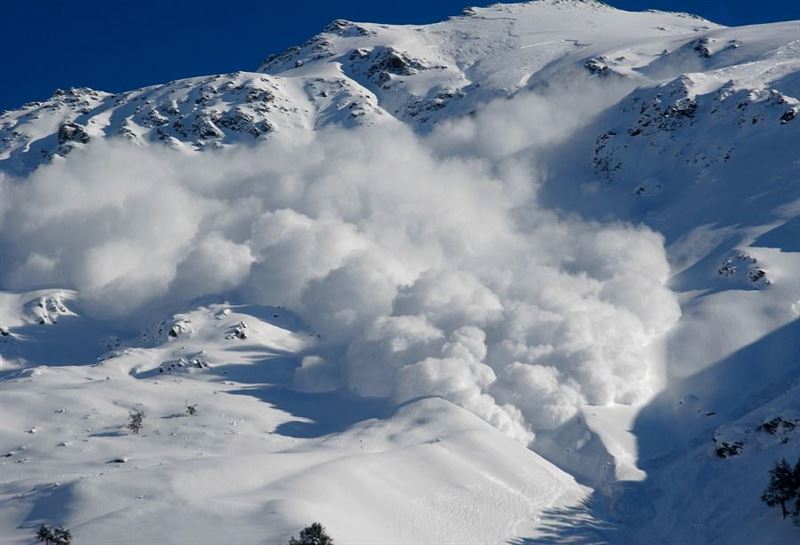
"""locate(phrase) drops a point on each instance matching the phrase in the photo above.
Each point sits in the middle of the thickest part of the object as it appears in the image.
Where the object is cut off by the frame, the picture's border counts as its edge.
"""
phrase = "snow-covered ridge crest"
(572, 3)
(350, 74)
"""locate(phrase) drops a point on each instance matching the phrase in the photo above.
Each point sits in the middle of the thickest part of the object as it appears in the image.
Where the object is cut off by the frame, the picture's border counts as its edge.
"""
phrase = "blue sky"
(115, 46)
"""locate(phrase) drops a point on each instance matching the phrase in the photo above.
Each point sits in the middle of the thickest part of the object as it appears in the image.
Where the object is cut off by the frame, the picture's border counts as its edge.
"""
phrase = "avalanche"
(526, 275)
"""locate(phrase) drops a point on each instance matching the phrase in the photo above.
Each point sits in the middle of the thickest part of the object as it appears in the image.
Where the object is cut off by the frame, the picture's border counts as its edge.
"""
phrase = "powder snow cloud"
(425, 263)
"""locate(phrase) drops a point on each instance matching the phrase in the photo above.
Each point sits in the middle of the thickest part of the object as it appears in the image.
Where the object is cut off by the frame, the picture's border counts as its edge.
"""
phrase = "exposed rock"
(241, 121)
(347, 29)
(599, 67)
(197, 361)
(725, 449)
(383, 63)
(779, 427)
(47, 309)
(72, 132)
(238, 332)
(205, 128)
(166, 330)
(702, 49)
(120, 460)
(746, 264)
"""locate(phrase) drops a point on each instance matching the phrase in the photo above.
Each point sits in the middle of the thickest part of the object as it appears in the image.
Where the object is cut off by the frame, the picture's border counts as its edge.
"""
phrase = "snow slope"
(660, 119)
(351, 74)
(257, 461)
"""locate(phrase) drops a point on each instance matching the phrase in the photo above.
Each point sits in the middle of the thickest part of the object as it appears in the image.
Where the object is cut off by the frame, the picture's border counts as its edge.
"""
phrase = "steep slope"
(354, 73)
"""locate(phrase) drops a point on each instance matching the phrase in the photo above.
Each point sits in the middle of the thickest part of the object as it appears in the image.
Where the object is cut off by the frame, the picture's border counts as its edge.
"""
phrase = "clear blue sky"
(115, 45)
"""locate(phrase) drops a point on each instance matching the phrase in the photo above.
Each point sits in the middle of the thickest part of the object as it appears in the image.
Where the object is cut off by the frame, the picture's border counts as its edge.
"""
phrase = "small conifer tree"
(783, 488)
(62, 536)
(135, 421)
(45, 535)
(797, 488)
(314, 534)
(51, 536)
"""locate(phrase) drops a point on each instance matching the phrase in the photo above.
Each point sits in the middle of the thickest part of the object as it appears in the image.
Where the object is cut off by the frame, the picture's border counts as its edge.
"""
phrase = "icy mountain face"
(414, 211)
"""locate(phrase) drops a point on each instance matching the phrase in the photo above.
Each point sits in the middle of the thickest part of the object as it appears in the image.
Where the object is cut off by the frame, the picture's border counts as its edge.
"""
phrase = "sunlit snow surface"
(390, 260)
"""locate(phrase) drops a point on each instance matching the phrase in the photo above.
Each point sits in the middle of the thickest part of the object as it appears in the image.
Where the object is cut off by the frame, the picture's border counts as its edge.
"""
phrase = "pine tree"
(783, 487)
(50, 536)
(62, 536)
(135, 421)
(45, 535)
(797, 488)
(314, 534)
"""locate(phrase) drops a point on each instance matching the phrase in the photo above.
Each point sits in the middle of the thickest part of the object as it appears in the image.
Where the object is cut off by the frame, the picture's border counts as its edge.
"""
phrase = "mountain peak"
(573, 3)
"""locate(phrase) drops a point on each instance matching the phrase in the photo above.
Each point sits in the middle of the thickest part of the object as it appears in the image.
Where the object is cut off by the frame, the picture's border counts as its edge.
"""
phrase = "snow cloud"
(425, 263)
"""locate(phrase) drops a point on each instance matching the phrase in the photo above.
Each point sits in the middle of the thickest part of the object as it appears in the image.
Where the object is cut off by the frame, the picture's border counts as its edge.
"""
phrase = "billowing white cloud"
(426, 264)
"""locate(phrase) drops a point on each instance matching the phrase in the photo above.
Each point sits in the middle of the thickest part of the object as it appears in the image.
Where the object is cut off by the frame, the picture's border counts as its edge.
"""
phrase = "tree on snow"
(784, 487)
(51, 536)
(135, 421)
(314, 534)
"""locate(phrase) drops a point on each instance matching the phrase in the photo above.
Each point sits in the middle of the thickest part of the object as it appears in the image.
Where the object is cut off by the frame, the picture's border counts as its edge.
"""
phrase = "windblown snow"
(512, 277)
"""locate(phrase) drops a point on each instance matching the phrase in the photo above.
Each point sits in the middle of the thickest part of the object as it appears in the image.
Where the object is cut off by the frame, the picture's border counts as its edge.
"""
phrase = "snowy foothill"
(527, 275)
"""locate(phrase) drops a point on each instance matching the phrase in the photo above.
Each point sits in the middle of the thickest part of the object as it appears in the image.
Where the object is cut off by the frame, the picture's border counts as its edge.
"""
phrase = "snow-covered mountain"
(357, 74)
(527, 275)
